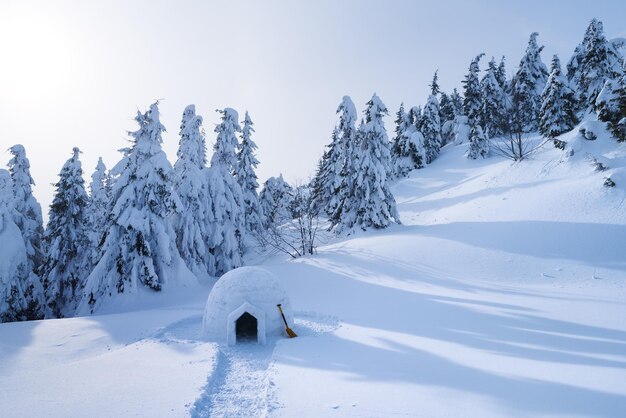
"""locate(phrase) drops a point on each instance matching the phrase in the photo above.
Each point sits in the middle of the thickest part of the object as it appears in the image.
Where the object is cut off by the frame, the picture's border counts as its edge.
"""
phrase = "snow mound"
(251, 290)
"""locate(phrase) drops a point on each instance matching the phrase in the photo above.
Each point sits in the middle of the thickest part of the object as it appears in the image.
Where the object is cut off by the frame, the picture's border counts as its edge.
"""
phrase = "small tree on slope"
(140, 245)
(558, 105)
(275, 199)
(478, 144)
(27, 210)
(371, 201)
(493, 110)
(66, 244)
(247, 178)
(13, 257)
(472, 96)
(527, 86)
(227, 227)
(192, 223)
(431, 124)
(98, 211)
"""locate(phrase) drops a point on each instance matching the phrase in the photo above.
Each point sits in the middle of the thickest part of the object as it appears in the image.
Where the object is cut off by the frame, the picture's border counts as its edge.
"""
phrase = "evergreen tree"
(275, 199)
(370, 203)
(611, 106)
(338, 181)
(594, 61)
(227, 224)
(447, 111)
(471, 85)
(66, 243)
(457, 102)
(192, 223)
(434, 85)
(557, 114)
(527, 86)
(478, 144)
(402, 123)
(410, 152)
(500, 74)
(431, 129)
(27, 210)
(493, 113)
(27, 217)
(98, 211)
(247, 178)
(139, 248)
(14, 269)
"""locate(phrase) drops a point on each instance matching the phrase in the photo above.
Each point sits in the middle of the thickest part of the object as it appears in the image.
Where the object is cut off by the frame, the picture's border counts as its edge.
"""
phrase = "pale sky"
(73, 73)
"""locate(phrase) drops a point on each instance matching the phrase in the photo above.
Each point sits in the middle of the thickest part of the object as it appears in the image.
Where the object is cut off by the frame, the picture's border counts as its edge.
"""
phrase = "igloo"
(243, 305)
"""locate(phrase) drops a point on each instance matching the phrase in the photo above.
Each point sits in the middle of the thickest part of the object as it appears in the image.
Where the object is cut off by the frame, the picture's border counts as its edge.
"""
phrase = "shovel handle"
(282, 314)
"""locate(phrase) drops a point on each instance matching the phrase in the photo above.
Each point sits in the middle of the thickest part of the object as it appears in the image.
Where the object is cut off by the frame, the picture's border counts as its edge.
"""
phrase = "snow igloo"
(243, 306)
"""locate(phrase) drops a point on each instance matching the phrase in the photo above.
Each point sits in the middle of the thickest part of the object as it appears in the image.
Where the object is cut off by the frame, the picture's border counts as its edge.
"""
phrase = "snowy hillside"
(502, 294)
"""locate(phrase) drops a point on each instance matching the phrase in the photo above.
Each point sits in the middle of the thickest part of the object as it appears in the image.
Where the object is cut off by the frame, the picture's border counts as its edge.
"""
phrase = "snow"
(501, 294)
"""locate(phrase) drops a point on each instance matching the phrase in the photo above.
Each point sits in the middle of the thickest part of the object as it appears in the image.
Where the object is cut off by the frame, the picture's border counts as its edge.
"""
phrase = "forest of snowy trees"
(146, 224)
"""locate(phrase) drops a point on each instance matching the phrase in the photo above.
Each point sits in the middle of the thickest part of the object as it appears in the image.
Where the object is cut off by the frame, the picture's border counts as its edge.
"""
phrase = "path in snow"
(241, 384)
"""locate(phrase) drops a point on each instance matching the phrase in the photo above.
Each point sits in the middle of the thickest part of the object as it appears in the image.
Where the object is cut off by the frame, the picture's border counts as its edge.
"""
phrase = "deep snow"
(502, 294)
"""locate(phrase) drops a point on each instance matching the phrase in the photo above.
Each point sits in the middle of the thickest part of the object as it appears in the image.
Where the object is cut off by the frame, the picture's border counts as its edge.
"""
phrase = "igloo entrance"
(246, 328)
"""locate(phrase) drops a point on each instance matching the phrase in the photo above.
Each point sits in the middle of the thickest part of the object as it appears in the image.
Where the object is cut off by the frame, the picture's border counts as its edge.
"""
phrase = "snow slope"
(502, 294)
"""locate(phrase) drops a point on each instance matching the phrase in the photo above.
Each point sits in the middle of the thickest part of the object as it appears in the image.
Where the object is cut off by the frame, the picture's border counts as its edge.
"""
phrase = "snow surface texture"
(246, 289)
(501, 295)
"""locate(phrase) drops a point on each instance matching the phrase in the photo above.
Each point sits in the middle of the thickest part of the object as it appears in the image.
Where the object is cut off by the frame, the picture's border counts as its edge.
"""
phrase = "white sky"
(73, 73)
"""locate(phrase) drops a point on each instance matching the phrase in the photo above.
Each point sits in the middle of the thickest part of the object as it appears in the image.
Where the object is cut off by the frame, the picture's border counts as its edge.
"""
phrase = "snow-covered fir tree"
(611, 106)
(558, 104)
(247, 178)
(431, 128)
(275, 199)
(14, 270)
(472, 94)
(446, 108)
(409, 151)
(478, 143)
(27, 210)
(28, 218)
(334, 173)
(370, 203)
(140, 244)
(457, 102)
(227, 224)
(493, 113)
(66, 242)
(338, 182)
(192, 223)
(526, 88)
(402, 123)
(98, 211)
(593, 62)
(500, 74)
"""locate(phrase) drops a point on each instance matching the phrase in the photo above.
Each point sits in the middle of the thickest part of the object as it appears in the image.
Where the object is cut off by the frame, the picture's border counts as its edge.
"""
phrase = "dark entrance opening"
(246, 329)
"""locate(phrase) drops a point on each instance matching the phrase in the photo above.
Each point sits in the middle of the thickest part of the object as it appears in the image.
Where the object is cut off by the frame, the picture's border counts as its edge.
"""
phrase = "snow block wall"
(247, 289)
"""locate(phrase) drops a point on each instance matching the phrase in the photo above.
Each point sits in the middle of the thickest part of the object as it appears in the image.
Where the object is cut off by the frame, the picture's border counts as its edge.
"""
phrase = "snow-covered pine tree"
(446, 108)
(410, 154)
(14, 270)
(472, 96)
(139, 248)
(558, 104)
(27, 209)
(431, 127)
(526, 88)
(227, 224)
(478, 143)
(500, 74)
(98, 211)
(371, 204)
(402, 123)
(192, 223)
(457, 102)
(611, 106)
(319, 197)
(247, 178)
(66, 243)
(594, 61)
(343, 168)
(493, 114)
(275, 199)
